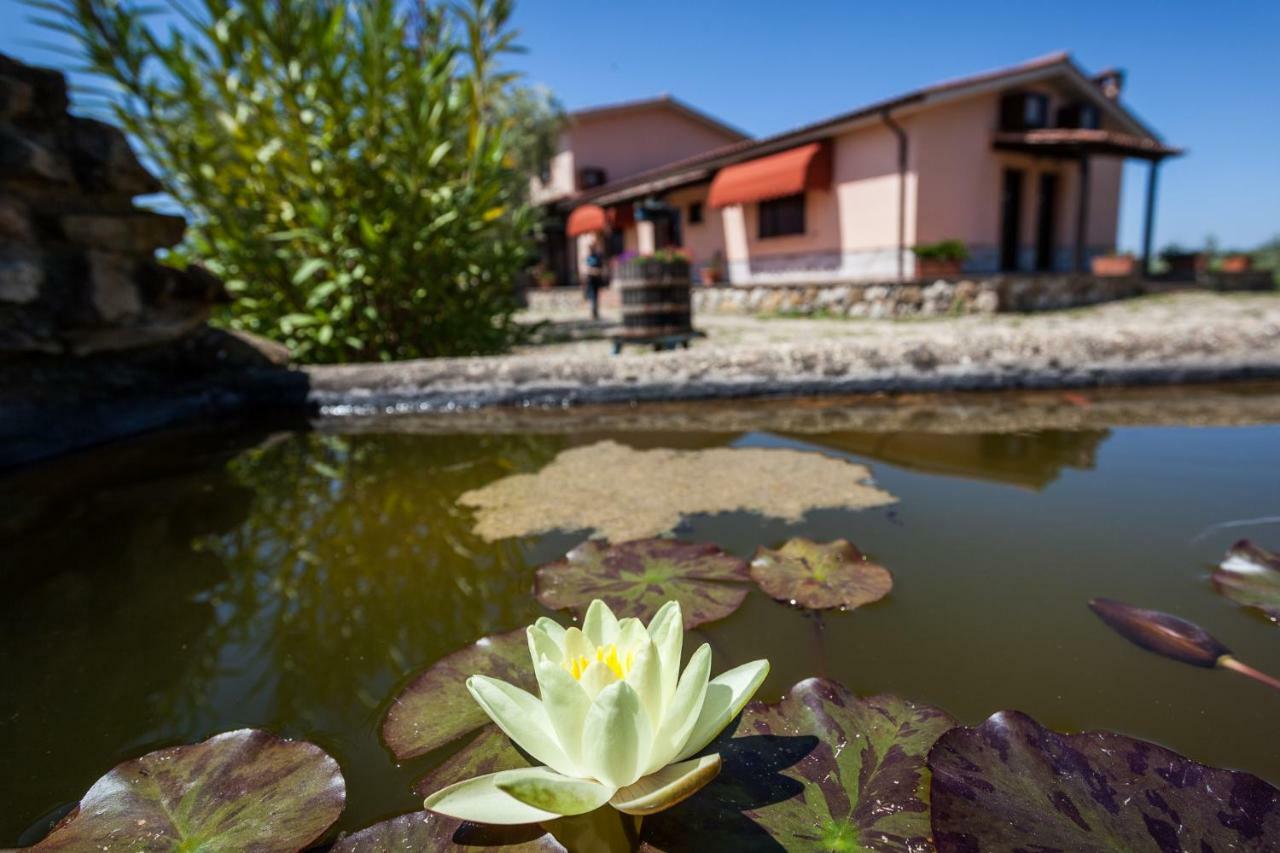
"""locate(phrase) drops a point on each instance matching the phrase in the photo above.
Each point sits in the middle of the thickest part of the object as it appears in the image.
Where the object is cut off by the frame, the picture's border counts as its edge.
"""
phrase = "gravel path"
(1165, 339)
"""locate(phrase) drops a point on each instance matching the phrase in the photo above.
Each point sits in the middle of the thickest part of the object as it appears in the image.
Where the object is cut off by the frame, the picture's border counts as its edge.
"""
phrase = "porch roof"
(1076, 142)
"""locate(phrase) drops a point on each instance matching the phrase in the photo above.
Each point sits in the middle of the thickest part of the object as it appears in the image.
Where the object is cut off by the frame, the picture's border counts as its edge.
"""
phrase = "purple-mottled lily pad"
(819, 576)
(820, 770)
(436, 708)
(1012, 784)
(241, 790)
(1250, 576)
(636, 578)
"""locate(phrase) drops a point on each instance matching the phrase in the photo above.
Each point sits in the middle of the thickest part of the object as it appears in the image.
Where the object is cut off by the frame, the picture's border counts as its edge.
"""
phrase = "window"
(1079, 115)
(782, 216)
(1024, 111)
(695, 213)
(591, 176)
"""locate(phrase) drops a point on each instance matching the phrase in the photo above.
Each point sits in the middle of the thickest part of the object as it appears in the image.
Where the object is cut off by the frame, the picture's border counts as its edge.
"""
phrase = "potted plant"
(942, 259)
(1116, 265)
(1236, 262)
(546, 279)
(713, 272)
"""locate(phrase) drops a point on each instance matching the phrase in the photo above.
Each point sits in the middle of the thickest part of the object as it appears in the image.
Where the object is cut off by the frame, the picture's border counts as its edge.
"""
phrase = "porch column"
(1149, 217)
(1082, 216)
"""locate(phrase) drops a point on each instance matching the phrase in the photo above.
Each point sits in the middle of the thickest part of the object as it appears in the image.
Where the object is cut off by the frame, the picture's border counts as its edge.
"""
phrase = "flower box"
(1113, 266)
(1237, 263)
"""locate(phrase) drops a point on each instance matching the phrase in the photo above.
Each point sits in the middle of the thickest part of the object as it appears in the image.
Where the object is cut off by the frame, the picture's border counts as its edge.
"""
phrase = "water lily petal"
(522, 718)
(600, 625)
(669, 786)
(646, 677)
(480, 800)
(727, 693)
(545, 789)
(596, 677)
(685, 709)
(616, 736)
(631, 635)
(666, 629)
(576, 644)
(566, 705)
(542, 646)
(552, 629)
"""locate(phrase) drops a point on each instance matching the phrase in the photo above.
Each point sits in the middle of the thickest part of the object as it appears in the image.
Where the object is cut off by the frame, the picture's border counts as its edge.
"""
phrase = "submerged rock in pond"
(621, 493)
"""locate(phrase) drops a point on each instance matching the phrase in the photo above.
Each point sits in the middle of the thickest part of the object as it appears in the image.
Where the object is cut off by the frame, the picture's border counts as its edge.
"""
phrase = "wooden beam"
(1149, 218)
(1082, 216)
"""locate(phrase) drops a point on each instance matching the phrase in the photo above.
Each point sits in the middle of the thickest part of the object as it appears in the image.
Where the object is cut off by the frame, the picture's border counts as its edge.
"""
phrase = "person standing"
(595, 276)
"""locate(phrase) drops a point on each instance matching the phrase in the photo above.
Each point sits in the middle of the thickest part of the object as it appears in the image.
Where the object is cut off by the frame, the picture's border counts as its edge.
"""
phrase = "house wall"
(705, 240)
(626, 142)
(960, 179)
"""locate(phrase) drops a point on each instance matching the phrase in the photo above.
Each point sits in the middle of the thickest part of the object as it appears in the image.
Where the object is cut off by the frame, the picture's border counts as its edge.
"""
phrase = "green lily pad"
(1012, 784)
(436, 708)
(636, 578)
(1250, 576)
(820, 770)
(241, 790)
(820, 576)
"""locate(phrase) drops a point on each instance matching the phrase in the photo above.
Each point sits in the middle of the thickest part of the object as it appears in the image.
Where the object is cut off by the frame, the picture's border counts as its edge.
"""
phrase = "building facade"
(1021, 165)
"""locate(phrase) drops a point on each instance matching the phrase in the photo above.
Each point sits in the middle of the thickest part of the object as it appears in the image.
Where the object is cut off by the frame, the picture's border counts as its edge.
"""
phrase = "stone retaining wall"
(77, 273)
(875, 300)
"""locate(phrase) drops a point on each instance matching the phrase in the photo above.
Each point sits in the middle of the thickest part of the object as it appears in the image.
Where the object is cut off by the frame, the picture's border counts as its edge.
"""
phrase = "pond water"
(171, 587)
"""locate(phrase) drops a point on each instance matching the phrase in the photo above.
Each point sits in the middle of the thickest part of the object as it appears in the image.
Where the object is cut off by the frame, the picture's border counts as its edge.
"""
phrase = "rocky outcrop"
(77, 269)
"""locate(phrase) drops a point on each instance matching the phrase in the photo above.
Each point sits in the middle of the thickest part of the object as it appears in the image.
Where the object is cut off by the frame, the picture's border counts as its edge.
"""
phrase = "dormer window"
(591, 176)
(1080, 115)
(1024, 111)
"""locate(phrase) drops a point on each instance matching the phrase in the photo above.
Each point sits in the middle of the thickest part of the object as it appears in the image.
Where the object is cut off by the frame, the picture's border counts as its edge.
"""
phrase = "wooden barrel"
(655, 298)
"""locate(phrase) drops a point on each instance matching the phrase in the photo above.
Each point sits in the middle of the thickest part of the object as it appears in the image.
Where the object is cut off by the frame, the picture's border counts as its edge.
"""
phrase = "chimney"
(1110, 82)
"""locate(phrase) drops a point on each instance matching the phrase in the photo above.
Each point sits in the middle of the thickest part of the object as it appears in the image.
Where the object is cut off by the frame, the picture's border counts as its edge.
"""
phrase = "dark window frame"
(695, 213)
(781, 217)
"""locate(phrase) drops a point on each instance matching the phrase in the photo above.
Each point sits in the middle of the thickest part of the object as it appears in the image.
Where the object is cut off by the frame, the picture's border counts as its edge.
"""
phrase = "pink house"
(1022, 165)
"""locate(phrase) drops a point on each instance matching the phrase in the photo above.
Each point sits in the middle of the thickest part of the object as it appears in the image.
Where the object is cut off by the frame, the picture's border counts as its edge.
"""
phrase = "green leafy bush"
(943, 250)
(357, 172)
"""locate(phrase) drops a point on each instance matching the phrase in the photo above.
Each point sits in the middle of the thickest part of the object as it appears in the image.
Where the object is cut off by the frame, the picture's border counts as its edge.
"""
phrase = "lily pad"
(820, 576)
(1012, 784)
(1250, 576)
(636, 578)
(820, 770)
(241, 790)
(436, 708)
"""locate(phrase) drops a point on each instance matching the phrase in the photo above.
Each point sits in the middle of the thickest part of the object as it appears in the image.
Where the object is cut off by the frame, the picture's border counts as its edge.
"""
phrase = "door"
(1046, 222)
(1010, 219)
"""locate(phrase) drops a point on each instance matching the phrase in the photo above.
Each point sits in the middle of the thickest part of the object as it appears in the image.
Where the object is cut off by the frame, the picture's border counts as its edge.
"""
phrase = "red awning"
(586, 219)
(782, 174)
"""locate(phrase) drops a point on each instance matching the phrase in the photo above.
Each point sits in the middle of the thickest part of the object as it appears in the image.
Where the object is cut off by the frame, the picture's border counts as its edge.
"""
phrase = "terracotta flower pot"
(1237, 263)
(934, 268)
(709, 276)
(1113, 265)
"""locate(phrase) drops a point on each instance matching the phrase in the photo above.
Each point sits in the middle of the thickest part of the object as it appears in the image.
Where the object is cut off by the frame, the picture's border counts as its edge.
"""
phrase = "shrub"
(356, 172)
(943, 250)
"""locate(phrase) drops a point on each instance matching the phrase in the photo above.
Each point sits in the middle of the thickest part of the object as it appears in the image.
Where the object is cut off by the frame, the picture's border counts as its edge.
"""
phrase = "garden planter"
(1237, 263)
(655, 298)
(931, 268)
(710, 277)
(1185, 264)
(1114, 265)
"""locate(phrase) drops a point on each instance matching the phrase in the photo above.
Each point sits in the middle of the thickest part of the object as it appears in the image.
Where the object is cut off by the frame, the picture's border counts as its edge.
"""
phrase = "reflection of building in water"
(1029, 459)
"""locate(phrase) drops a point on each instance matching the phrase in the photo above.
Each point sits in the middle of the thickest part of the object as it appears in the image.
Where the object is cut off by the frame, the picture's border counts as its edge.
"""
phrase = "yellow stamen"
(607, 655)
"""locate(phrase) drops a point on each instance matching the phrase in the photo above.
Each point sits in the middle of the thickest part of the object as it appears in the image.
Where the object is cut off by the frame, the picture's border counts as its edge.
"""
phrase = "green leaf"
(1250, 576)
(820, 770)
(1012, 784)
(636, 578)
(241, 790)
(436, 708)
(309, 268)
(820, 576)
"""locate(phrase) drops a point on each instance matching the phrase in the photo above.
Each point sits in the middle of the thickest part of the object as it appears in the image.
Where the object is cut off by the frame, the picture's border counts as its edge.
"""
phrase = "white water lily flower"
(616, 723)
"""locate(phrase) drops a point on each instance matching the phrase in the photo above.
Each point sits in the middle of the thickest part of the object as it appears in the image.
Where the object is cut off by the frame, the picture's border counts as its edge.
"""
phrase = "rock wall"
(77, 267)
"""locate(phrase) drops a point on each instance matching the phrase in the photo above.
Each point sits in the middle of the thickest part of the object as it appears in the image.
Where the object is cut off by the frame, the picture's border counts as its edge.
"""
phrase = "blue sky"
(1205, 75)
